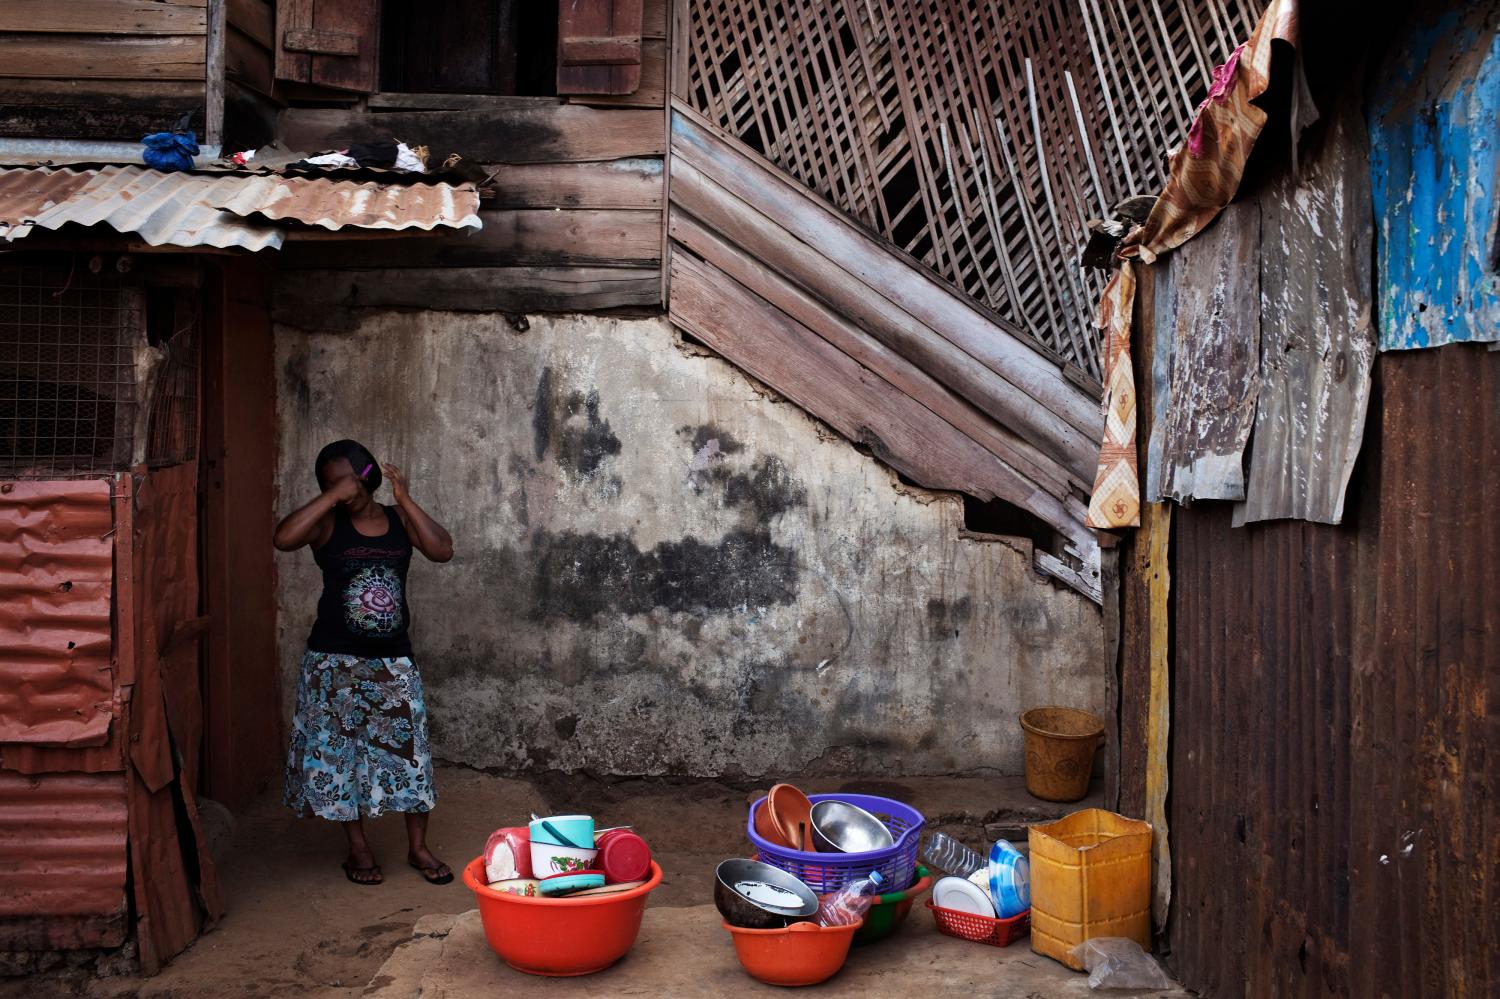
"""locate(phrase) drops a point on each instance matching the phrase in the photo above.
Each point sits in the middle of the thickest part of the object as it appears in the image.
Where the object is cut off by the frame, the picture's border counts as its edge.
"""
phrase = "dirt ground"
(296, 927)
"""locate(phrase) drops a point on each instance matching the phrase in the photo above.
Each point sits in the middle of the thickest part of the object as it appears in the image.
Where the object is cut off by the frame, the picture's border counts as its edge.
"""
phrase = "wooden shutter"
(328, 43)
(599, 46)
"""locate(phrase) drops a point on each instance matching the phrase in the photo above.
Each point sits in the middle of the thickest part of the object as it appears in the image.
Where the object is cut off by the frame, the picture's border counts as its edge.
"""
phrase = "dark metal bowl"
(746, 913)
(839, 827)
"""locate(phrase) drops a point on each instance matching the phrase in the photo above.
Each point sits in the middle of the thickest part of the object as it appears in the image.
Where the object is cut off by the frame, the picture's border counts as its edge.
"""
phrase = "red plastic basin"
(559, 936)
(801, 954)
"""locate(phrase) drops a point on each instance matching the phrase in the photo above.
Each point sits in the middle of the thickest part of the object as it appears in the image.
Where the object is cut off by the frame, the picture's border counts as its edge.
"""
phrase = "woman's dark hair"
(358, 456)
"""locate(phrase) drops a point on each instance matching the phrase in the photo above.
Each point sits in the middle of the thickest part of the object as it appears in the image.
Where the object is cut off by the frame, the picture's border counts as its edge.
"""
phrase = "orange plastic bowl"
(800, 954)
(559, 936)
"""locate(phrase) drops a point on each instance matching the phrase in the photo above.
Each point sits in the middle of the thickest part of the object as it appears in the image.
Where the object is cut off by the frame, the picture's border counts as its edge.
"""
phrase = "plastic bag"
(170, 151)
(1120, 963)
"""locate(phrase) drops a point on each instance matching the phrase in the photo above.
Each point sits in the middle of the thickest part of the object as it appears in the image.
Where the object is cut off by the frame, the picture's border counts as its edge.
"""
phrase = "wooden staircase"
(865, 338)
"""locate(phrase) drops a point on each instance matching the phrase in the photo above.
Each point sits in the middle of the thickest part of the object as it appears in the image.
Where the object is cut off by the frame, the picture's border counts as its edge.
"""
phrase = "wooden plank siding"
(801, 298)
(541, 237)
(573, 220)
(248, 54)
(624, 183)
(540, 130)
(322, 295)
(103, 57)
(102, 70)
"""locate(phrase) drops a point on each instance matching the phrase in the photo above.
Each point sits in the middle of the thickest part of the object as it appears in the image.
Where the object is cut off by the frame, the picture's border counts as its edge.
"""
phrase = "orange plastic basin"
(559, 936)
(800, 954)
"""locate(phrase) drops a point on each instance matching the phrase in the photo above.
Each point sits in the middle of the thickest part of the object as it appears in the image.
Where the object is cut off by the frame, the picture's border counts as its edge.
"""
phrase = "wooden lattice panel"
(976, 135)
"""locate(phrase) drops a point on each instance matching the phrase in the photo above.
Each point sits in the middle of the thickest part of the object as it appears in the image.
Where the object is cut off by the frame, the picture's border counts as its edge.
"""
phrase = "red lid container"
(623, 856)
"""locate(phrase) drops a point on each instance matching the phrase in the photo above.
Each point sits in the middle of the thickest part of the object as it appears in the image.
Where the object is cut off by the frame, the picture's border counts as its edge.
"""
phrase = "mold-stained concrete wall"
(663, 569)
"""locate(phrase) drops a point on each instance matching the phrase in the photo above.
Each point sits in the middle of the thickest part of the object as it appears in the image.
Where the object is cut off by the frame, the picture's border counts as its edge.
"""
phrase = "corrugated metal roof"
(62, 861)
(334, 204)
(56, 565)
(187, 209)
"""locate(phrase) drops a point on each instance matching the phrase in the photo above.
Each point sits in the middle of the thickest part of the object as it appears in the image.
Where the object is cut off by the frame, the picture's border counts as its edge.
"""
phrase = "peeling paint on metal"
(1206, 369)
(1435, 168)
(1317, 340)
(56, 683)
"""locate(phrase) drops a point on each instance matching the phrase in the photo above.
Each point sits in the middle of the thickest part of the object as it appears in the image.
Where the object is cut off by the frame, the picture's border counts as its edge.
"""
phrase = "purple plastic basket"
(828, 872)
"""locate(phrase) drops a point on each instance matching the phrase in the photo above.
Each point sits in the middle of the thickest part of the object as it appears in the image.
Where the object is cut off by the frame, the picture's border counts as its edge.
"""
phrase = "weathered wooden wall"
(249, 44)
(575, 222)
(976, 136)
(792, 291)
(102, 69)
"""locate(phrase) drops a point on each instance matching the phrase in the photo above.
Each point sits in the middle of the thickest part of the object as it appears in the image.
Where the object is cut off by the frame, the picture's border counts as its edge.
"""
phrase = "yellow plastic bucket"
(1090, 877)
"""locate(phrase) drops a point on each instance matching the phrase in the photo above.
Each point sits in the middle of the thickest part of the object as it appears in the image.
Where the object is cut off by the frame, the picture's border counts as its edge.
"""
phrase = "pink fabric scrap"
(1218, 92)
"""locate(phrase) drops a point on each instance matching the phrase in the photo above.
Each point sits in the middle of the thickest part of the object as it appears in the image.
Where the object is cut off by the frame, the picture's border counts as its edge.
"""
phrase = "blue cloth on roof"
(170, 151)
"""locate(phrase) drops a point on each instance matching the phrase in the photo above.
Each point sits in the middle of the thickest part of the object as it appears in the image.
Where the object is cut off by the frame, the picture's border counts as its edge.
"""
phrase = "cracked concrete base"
(686, 952)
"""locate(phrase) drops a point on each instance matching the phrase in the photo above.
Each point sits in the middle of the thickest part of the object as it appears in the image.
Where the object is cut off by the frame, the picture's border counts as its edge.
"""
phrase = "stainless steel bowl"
(839, 827)
(739, 909)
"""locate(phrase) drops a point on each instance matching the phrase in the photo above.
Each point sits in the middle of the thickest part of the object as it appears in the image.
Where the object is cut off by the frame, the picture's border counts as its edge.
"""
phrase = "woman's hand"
(397, 480)
(345, 489)
(427, 535)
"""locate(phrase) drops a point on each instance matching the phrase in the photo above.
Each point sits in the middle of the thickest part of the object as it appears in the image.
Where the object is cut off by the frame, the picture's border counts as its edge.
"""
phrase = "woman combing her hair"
(359, 737)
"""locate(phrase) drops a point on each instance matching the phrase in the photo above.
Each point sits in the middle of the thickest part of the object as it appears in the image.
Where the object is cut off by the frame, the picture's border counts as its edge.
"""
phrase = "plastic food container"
(623, 856)
(559, 936)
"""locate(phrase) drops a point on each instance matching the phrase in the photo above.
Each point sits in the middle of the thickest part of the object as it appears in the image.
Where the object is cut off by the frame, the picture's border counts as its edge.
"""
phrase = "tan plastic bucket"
(1060, 746)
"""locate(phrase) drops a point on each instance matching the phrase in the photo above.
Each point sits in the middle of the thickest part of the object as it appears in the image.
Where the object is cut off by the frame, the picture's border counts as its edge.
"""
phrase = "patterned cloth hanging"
(1116, 500)
(1205, 171)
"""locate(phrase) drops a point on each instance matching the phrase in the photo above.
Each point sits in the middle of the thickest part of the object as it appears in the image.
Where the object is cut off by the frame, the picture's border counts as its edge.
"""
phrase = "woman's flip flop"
(368, 882)
(431, 875)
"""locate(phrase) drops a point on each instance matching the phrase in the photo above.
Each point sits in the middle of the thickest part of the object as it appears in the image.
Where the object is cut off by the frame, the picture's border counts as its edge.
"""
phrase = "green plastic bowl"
(890, 909)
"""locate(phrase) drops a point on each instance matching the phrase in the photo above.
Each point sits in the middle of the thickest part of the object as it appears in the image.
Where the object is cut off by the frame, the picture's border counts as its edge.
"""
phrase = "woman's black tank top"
(363, 610)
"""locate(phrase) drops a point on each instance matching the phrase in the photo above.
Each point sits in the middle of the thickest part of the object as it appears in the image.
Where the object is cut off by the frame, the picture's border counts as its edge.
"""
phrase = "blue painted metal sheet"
(1435, 165)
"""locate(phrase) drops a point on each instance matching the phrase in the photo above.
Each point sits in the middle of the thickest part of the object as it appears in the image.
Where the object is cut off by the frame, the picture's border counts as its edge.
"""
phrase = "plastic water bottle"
(850, 903)
(948, 854)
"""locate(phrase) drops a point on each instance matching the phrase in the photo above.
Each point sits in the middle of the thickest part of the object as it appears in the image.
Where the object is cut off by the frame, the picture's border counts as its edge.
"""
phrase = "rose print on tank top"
(372, 602)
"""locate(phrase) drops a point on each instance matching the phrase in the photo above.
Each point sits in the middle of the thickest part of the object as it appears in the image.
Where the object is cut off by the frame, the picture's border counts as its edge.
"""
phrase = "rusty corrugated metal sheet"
(62, 861)
(1335, 797)
(186, 209)
(56, 561)
(163, 209)
(335, 204)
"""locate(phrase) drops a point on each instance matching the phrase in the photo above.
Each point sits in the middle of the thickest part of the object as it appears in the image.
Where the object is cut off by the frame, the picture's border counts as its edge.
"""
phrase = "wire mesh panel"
(67, 371)
(977, 136)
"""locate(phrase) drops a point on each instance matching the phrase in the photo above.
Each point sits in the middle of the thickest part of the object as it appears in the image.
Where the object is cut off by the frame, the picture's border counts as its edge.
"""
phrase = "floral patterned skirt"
(359, 739)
